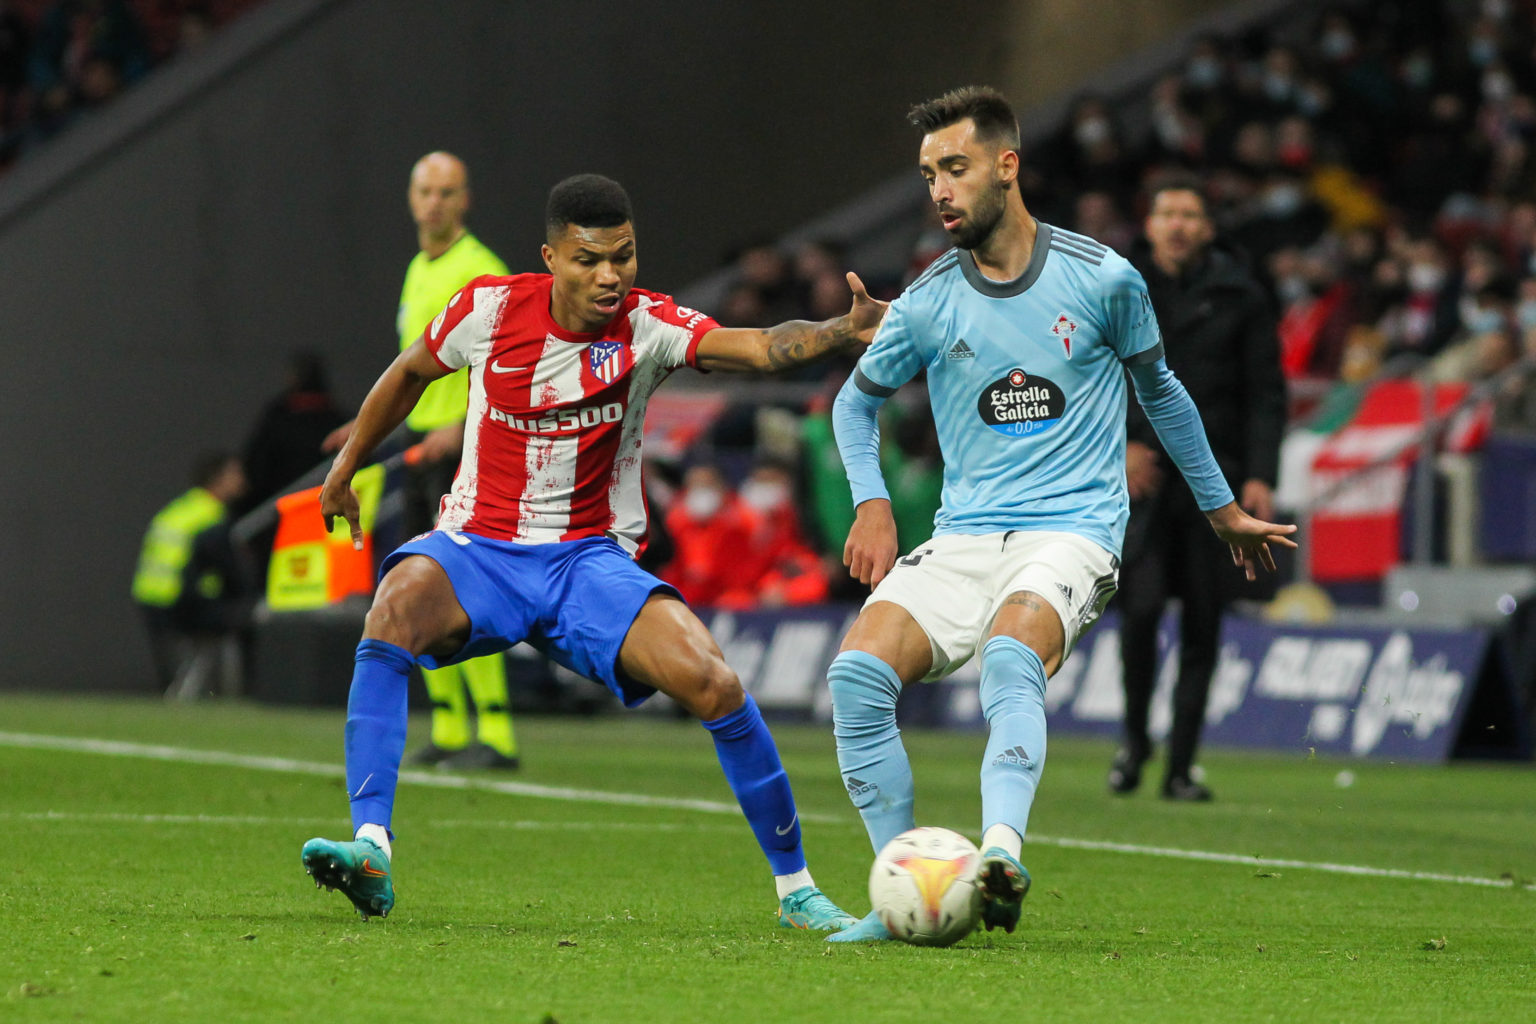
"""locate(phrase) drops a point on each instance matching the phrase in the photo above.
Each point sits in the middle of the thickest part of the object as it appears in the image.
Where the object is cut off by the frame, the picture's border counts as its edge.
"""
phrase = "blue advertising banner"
(1349, 690)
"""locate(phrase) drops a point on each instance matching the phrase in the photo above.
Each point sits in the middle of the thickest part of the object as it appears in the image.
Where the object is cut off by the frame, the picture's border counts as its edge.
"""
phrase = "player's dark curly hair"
(588, 201)
(993, 117)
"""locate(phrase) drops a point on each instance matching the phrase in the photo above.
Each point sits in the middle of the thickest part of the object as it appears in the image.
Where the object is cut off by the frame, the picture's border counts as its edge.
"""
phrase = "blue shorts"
(574, 601)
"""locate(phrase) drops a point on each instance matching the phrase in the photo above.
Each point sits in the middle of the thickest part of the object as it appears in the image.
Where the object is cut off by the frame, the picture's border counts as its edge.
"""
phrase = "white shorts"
(955, 584)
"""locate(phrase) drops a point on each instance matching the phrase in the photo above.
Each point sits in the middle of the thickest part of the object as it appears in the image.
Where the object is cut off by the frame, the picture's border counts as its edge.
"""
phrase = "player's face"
(1177, 226)
(594, 269)
(439, 196)
(968, 181)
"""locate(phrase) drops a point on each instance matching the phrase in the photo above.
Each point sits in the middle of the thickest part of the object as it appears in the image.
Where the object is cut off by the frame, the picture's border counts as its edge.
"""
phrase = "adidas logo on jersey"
(961, 351)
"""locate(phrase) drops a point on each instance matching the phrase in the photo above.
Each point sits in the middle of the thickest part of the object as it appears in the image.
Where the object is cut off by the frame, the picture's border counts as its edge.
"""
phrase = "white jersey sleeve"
(671, 333)
(464, 326)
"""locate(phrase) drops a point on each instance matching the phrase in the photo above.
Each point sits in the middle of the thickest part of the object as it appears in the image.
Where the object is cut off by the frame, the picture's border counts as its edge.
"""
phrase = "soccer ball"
(923, 886)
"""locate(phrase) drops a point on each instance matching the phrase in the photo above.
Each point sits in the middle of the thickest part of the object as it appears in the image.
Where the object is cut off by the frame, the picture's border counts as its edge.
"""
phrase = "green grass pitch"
(166, 888)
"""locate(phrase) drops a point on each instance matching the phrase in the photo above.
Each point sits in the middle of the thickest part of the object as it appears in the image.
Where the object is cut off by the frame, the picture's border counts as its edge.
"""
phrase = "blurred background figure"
(285, 441)
(1219, 333)
(194, 586)
(778, 568)
(710, 530)
(83, 53)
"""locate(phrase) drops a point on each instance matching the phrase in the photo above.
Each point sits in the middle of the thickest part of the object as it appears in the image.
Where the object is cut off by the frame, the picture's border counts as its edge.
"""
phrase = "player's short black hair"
(208, 466)
(588, 201)
(987, 109)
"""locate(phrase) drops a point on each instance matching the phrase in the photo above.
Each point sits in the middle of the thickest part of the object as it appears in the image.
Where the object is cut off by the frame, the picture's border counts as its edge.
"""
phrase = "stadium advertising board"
(1355, 691)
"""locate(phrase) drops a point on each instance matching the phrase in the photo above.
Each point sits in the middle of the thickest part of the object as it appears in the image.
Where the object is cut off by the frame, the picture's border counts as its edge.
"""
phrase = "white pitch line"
(1274, 862)
(435, 779)
(118, 748)
(229, 820)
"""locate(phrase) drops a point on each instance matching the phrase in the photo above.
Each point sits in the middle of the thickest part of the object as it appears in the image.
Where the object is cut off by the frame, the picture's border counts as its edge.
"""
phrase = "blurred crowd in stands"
(1376, 162)
(60, 60)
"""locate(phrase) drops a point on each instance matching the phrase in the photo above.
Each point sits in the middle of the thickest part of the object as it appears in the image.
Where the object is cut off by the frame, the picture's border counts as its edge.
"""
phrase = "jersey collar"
(1020, 284)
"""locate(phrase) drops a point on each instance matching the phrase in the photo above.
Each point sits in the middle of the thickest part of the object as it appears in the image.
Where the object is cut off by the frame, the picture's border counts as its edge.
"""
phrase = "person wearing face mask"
(710, 530)
(1427, 315)
(1487, 340)
(1219, 331)
(1285, 215)
(777, 568)
(1089, 156)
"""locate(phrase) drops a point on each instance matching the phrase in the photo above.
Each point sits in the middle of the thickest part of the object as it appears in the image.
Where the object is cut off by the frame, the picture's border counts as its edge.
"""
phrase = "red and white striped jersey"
(552, 436)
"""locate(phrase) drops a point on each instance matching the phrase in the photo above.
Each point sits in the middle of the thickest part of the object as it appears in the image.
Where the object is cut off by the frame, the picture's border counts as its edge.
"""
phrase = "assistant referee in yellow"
(449, 256)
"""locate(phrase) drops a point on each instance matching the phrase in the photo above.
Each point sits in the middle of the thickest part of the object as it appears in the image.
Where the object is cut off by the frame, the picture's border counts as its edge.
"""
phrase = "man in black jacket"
(1219, 333)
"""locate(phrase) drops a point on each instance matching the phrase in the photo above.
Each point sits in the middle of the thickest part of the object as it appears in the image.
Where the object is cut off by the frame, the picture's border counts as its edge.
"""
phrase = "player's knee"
(857, 680)
(717, 691)
(388, 620)
(1012, 677)
(399, 616)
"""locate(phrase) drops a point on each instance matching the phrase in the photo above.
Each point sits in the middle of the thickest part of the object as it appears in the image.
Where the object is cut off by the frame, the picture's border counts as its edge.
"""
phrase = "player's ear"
(1007, 165)
(549, 257)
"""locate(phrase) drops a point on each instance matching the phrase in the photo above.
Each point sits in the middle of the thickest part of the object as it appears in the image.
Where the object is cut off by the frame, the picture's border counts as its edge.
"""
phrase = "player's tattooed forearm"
(799, 341)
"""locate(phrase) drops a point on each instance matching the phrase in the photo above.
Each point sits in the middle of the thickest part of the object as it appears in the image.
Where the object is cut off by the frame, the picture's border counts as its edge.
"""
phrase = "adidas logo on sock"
(1016, 757)
(961, 351)
(858, 787)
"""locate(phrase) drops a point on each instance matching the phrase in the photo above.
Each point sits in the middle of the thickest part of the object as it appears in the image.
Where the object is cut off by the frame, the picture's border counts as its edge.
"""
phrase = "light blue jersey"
(1028, 391)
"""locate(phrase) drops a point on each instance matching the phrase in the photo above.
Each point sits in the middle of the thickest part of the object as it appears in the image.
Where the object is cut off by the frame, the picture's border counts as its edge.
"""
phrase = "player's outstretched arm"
(389, 402)
(1249, 538)
(795, 342)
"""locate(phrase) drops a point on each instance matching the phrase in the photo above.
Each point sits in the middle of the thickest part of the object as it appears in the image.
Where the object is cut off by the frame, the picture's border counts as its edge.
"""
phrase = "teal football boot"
(1003, 883)
(360, 869)
(809, 909)
(870, 929)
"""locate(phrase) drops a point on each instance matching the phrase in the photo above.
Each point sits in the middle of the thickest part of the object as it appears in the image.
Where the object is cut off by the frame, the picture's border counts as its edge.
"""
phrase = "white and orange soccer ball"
(923, 886)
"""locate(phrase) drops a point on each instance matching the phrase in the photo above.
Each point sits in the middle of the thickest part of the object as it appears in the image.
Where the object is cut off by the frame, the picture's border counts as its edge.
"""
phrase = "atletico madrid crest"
(608, 359)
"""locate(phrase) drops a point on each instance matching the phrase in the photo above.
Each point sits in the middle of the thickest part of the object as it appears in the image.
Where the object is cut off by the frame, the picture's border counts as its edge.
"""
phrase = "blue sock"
(869, 752)
(1013, 700)
(376, 715)
(751, 764)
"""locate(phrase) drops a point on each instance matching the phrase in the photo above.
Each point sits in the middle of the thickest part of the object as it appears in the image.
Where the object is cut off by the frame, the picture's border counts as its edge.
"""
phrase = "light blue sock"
(869, 752)
(750, 760)
(375, 739)
(1013, 700)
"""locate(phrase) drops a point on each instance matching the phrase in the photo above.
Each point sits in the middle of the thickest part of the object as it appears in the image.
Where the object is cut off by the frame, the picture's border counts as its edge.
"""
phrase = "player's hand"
(871, 548)
(1143, 476)
(1257, 499)
(338, 437)
(866, 313)
(337, 498)
(1249, 538)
